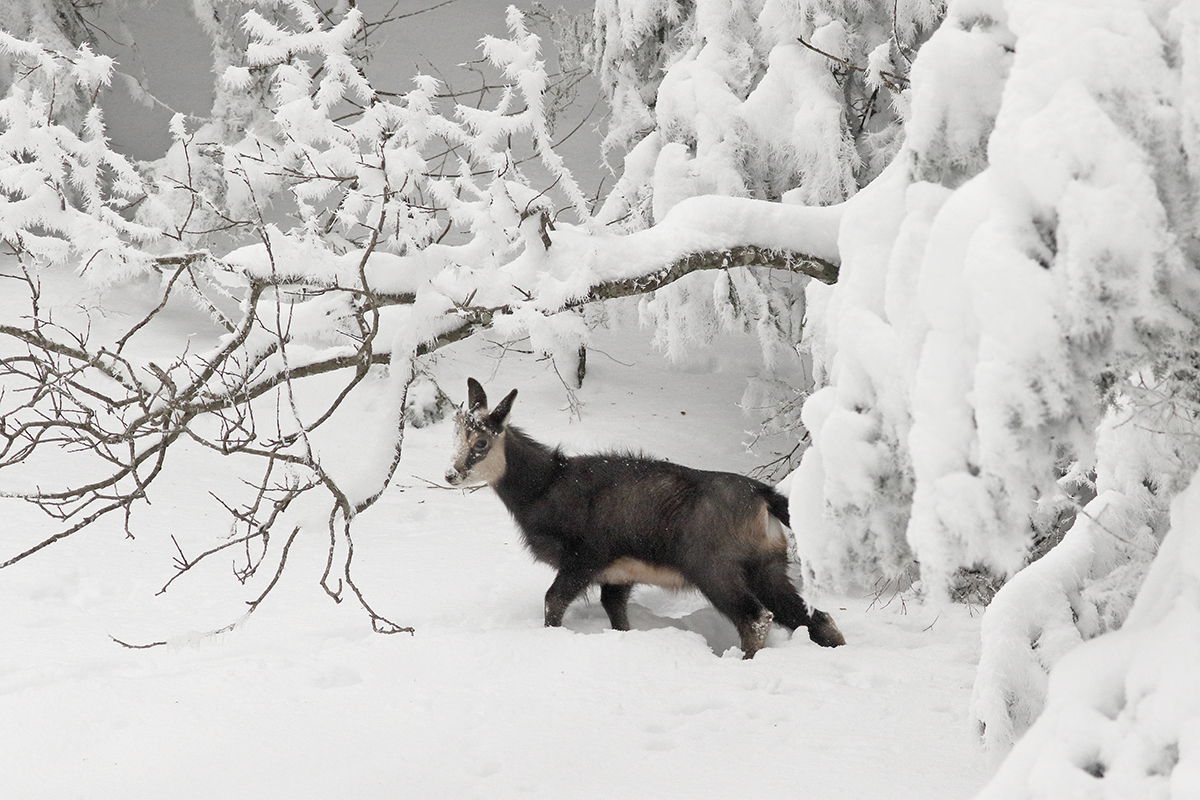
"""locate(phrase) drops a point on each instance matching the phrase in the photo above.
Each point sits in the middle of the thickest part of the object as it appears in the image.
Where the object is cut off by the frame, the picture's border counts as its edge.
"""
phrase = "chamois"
(619, 520)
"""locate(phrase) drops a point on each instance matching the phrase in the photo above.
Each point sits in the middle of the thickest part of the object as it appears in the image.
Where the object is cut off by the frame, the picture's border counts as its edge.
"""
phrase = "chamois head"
(479, 438)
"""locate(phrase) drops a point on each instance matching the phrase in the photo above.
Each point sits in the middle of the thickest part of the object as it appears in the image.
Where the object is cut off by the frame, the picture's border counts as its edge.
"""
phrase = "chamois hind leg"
(615, 599)
(727, 591)
(770, 583)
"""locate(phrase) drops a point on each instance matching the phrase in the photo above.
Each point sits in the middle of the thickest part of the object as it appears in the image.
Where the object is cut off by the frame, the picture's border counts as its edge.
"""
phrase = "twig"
(896, 82)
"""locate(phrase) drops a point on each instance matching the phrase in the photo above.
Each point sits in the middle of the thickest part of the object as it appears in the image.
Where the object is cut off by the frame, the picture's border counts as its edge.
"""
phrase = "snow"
(1012, 333)
(482, 701)
(795, 124)
(957, 84)
(1121, 711)
(1048, 609)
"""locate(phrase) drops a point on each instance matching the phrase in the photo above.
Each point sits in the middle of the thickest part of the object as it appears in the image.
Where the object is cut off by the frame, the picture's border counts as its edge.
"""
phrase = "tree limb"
(740, 256)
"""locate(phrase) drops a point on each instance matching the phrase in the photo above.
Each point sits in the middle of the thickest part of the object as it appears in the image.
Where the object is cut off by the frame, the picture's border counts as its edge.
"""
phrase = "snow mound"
(1122, 716)
(1071, 594)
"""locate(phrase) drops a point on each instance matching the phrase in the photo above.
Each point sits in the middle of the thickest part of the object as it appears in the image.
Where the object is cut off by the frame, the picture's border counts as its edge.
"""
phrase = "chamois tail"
(777, 504)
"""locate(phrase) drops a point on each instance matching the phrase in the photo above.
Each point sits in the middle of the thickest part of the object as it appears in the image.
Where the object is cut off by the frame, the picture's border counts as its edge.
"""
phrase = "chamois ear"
(476, 397)
(500, 412)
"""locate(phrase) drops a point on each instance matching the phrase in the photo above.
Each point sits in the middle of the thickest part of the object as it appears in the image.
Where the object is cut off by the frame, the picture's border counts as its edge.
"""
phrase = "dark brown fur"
(617, 520)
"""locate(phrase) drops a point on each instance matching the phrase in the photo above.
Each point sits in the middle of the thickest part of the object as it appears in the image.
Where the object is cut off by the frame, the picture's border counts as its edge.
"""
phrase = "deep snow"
(303, 700)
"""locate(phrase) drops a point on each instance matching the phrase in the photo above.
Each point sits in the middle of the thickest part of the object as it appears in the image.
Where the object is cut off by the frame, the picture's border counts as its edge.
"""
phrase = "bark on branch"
(742, 256)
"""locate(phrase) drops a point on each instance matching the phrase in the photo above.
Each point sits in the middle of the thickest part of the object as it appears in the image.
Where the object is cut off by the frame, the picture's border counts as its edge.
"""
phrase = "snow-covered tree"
(1014, 329)
(1123, 709)
(1000, 200)
(59, 26)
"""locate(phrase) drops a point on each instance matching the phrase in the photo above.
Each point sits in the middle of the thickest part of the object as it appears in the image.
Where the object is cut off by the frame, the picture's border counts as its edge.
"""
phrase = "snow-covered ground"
(304, 700)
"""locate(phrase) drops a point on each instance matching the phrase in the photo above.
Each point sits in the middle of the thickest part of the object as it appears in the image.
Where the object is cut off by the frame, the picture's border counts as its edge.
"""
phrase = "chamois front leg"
(568, 584)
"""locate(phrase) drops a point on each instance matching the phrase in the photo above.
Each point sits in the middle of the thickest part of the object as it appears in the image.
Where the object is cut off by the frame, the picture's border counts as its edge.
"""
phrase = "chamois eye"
(480, 445)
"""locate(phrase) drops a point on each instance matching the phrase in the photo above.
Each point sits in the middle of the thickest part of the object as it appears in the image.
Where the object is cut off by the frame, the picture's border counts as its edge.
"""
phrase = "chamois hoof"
(823, 631)
(754, 634)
